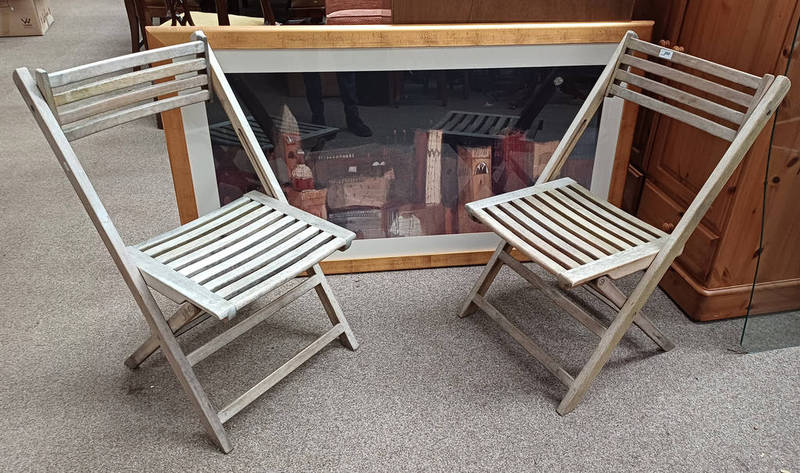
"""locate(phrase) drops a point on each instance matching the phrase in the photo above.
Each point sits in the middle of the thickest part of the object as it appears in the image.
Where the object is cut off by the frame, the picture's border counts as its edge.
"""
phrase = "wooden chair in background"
(585, 241)
(216, 265)
(182, 14)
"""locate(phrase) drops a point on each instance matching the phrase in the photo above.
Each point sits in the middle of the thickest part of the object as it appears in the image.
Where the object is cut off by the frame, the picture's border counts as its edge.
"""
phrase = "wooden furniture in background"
(669, 162)
(216, 265)
(180, 14)
(142, 13)
(583, 240)
(358, 12)
(313, 9)
(496, 11)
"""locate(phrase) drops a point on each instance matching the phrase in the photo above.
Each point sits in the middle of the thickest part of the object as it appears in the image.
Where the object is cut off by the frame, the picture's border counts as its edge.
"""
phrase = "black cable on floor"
(766, 184)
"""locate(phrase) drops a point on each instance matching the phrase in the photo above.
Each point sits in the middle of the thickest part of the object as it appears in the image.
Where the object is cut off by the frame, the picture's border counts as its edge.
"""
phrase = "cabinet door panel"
(657, 209)
(744, 35)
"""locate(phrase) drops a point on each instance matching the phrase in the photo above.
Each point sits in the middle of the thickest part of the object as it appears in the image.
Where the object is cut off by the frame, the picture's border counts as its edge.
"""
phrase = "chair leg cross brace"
(610, 336)
(165, 333)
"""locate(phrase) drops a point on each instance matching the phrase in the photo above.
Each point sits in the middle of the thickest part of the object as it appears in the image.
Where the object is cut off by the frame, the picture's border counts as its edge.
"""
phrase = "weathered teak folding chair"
(215, 265)
(583, 240)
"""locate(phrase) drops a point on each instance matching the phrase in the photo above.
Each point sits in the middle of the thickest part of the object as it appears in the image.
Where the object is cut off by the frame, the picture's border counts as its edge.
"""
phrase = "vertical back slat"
(585, 114)
(243, 130)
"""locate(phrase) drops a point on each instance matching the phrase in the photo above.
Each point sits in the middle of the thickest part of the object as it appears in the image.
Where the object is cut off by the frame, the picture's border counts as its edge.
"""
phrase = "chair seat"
(228, 258)
(573, 234)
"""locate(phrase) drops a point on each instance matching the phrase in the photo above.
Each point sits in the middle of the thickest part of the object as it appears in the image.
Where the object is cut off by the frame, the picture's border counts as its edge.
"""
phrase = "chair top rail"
(99, 68)
(699, 83)
(130, 79)
(718, 70)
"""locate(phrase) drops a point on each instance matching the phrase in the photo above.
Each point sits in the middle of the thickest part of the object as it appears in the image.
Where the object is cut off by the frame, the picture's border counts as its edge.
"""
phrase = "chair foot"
(467, 309)
(566, 406)
(333, 309)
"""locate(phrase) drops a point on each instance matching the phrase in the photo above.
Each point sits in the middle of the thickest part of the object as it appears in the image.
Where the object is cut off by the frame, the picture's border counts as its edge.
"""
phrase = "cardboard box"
(25, 17)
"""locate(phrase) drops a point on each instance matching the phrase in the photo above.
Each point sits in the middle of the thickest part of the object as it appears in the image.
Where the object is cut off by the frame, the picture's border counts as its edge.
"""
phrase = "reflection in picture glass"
(399, 153)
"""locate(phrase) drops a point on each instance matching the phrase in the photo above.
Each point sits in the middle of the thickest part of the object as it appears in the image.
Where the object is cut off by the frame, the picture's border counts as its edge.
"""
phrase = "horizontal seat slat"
(187, 227)
(674, 112)
(699, 83)
(519, 194)
(317, 255)
(81, 129)
(130, 79)
(718, 70)
(249, 247)
(614, 221)
(207, 226)
(681, 96)
(566, 247)
(242, 264)
(95, 69)
(241, 239)
(198, 243)
(548, 204)
(313, 220)
(132, 97)
(550, 223)
(609, 228)
(532, 239)
(517, 242)
(630, 219)
(278, 265)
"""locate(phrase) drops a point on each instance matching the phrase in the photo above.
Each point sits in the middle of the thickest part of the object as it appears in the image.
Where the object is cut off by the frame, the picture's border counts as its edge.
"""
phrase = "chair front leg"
(485, 280)
(332, 308)
(599, 358)
(182, 368)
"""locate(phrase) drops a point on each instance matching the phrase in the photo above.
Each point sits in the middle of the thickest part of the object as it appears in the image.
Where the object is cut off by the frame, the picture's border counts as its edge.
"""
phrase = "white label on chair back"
(665, 54)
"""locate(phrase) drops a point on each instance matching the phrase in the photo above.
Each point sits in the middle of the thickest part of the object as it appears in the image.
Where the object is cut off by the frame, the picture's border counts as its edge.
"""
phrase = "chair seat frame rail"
(83, 100)
(585, 241)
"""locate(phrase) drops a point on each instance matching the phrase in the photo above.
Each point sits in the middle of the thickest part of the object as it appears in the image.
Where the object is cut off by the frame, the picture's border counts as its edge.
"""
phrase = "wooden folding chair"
(585, 241)
(221, 262)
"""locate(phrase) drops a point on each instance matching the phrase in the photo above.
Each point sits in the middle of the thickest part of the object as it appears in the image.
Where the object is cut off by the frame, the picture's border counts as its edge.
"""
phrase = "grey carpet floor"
(425, 392)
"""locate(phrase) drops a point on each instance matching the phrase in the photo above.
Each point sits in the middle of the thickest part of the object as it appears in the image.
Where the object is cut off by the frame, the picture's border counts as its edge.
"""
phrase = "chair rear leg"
(185, 314)
(333, 309)
(606, 287)
(485, 280)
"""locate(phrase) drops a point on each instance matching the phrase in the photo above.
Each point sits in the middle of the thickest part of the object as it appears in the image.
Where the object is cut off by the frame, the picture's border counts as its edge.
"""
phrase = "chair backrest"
(76, 102)
(93, 97)
(724, 102)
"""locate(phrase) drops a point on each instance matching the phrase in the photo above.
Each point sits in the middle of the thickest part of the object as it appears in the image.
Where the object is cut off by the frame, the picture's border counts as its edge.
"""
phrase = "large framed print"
(390, 130)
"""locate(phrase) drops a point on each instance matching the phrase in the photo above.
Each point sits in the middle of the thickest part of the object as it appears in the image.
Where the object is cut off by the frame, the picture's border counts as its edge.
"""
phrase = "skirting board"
(703, 304)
